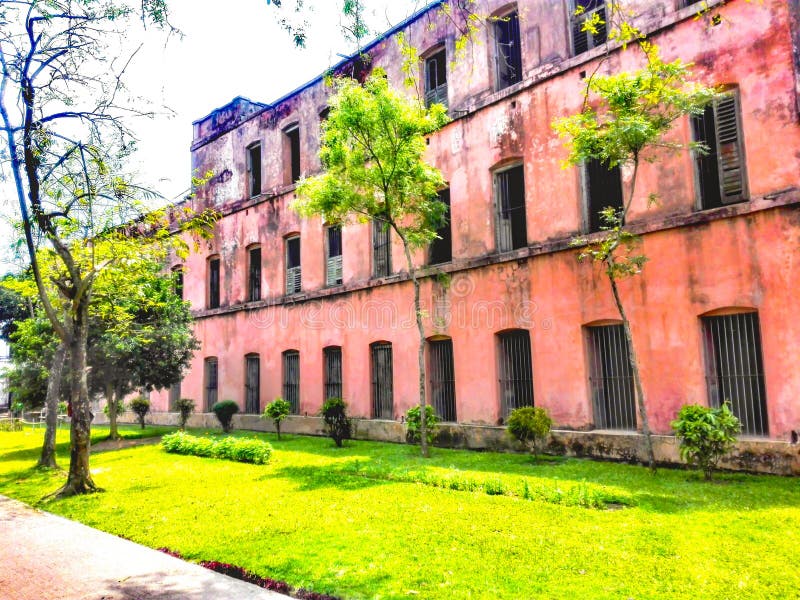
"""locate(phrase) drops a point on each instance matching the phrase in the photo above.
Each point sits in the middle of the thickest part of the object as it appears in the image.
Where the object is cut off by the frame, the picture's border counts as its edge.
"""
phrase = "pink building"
(292, 308)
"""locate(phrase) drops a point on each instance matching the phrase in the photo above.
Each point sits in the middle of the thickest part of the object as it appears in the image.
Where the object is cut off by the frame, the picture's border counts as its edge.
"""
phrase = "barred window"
(212, 382)
(516, 370)
(381, 249)
(291, 379)
(382, 381)
(252, 385)
(611, 378)
(603, 190)
(213, 282)
(254, 274)
(441, 375)
(508, 50)
(332, 358)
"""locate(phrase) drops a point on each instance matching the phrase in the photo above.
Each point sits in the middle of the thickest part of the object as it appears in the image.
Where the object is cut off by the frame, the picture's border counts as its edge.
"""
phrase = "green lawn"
(373, 520)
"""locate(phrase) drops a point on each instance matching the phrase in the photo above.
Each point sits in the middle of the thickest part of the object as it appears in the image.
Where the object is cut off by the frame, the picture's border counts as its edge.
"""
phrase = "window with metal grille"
(511, 226)
(516, 370)
(177, 273)
(293, 146)
(382, 381)
(381, 249)
(252, 384)
(254, 169)
(721, 174)
(441, 375)
(611, 378)
(332, 358)
(603, 190)
(174, 394)
(291, 379)
(583, 41)
(735, 368)
(436, 78)
(333, 258)
(213, 283)
(254, 275)
(508, 50)
(293, 273)
(441, 250)
(212, 382)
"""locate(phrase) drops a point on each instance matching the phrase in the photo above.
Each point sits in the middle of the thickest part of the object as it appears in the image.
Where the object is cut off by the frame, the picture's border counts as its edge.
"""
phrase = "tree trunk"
(48, 457)
(111, 401)
(79, 479)
(423, 421)
(637, 380)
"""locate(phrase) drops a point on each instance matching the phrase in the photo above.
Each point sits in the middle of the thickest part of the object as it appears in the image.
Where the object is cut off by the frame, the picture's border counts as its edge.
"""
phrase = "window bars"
(441, 375)
(212, 382)
(332, 356)
(291, 379)
(252, 386)
(382, 381)
(381, 249)
(735, 368)
(611, 378)
(516, 371)
(512, 229)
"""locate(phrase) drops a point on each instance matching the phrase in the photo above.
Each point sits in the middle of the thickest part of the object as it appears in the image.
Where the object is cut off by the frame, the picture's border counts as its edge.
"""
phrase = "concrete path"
(45, 557)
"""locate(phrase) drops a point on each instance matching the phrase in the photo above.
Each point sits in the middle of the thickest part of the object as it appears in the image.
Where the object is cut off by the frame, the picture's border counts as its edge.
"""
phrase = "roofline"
(234, 99)
(403, 24)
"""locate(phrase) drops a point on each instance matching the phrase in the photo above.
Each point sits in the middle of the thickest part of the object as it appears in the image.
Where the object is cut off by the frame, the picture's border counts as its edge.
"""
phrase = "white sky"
(233, 48)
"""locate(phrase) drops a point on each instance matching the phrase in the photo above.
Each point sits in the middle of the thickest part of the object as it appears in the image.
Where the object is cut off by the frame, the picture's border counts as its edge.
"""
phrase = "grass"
(374, 520)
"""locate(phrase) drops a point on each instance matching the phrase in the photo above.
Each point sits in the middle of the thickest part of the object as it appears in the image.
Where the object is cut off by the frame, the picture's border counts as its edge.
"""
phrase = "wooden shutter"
(729, 149)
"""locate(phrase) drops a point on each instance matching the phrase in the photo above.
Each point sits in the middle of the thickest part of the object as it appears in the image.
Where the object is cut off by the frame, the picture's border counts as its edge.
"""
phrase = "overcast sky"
(229, 49)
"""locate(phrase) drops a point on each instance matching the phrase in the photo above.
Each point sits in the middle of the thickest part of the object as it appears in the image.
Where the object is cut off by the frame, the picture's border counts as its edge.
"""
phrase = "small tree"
(636, 112)
(225, 411)
(140, 406)
(530, 425)
(705, 434)
(277, 411)
(185, 408)
(373, 149)
(416, 429)
(337, 423)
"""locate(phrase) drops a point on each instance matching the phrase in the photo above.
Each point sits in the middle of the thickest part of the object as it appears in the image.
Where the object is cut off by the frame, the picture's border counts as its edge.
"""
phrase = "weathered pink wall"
(741, 257)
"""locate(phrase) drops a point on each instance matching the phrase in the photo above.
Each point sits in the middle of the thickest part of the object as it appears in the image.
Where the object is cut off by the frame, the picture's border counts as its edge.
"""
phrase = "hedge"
(239, 449)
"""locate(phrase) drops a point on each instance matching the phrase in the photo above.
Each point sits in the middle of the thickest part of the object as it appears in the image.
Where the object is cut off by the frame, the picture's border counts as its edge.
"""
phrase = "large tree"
(373, 153)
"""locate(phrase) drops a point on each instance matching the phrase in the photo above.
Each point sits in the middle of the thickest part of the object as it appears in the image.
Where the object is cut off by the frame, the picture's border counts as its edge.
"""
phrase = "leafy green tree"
(277, 411)
(373, 149)
(338, 425)
(625, 121)
(140, 407)
(185, 408)
(416, 428)
(706, 435)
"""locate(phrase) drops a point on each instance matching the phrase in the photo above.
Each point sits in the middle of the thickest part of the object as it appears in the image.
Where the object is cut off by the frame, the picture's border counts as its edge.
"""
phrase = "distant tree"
(277, 411)
(373, 148)
(625, 121)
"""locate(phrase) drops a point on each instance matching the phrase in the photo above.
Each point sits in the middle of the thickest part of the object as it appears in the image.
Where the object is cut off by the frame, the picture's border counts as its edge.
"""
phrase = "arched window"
(516, 370)
(382, 380)
(291, 379)
(252, 384)
(213, 281)
(442, 378)
(332, 359)
(611, 377)
(211, 382)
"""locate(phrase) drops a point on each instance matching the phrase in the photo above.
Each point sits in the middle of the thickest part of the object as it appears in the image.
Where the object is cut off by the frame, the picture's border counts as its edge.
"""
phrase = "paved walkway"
(45, 557)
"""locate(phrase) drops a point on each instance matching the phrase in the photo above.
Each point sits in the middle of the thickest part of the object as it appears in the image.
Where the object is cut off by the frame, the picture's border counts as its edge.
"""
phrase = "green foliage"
(705, 434)
(373, 148)
(337, 423)
(13, 309)
(185, 408)
(62, 408)
(140, 406)
(17, 407)
(225, 410)
(413, 424)
(120, 407)
(530, 425)
(277, 411)
(246, 450)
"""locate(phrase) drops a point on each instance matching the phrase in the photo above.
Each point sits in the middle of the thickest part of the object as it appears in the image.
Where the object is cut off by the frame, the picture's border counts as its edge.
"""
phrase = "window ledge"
(781, 198)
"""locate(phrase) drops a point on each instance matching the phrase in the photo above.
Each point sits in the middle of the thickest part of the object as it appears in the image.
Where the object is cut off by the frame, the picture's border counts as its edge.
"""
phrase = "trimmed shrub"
(185, 408)
(140, 406)
(337, 423)
(277, 411)
(705, 434)
(106, 409)
(225, 410)
(413, 424)
(246, 450)
(530, 425)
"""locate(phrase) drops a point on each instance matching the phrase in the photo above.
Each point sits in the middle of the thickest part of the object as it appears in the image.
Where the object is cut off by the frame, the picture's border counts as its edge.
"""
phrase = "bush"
(530, 425)
(225, 411)
(185, 408)
(140, 406)
(62, 408)
(413, 424)
(705, 434)
(338, 425)
(17, 408)
(277, 410)
(246, 450)
(106, 408)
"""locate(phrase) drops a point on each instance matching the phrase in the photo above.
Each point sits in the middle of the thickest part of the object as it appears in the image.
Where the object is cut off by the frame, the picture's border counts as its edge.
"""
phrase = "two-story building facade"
(303, 310)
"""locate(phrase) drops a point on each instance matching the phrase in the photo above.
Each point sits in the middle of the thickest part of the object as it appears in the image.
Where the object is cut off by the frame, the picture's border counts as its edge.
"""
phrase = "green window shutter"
(733, 184)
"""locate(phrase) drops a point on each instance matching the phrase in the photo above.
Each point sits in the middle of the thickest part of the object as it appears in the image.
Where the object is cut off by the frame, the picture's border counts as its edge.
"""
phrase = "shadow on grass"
(309, 478)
